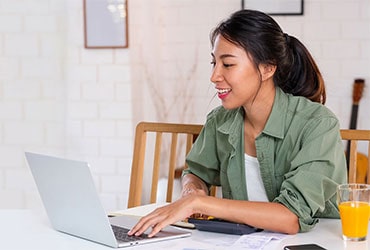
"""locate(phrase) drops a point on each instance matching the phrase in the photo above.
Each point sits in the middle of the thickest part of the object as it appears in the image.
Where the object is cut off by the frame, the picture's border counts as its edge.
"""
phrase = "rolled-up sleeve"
(309, 187)
(202, 159)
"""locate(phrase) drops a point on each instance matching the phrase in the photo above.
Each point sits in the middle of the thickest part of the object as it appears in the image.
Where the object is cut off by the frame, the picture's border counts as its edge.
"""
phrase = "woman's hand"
(166, 215)
(193, 188)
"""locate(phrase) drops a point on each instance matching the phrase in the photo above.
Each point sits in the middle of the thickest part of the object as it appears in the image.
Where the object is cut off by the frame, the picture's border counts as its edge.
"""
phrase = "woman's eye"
(226, 65)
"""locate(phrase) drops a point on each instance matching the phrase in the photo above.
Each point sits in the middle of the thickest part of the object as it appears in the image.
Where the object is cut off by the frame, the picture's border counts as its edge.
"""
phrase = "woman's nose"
(215, 75)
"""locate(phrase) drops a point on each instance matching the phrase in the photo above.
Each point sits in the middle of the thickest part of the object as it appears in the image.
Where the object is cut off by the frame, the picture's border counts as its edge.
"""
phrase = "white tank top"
(255, 188)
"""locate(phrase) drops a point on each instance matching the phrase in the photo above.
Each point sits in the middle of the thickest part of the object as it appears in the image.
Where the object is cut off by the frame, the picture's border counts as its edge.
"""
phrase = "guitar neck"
(353, 123)
(358, 87)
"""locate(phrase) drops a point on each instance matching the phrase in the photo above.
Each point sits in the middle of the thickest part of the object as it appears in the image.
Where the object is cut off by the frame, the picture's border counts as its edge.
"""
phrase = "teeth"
(223, 91)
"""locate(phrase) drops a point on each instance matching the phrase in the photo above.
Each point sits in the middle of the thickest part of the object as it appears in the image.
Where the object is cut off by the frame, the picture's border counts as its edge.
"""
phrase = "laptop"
(72, 204)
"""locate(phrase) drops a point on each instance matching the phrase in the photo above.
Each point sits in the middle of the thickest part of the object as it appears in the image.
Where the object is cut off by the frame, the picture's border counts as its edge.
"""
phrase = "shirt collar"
(235, 124)
(234, 127)
(275, 124)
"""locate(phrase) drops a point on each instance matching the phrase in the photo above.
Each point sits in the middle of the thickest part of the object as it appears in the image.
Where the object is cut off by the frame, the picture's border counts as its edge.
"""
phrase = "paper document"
(256, 241)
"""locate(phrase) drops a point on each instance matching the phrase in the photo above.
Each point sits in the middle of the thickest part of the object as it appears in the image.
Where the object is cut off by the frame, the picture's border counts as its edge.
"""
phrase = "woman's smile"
(222, 93)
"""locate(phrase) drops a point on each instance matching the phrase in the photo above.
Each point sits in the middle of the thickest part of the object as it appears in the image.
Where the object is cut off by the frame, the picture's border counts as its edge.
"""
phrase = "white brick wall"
(57, 97)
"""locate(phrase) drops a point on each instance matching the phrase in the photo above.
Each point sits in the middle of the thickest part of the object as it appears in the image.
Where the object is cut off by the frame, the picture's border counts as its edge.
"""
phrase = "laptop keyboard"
(121, 234)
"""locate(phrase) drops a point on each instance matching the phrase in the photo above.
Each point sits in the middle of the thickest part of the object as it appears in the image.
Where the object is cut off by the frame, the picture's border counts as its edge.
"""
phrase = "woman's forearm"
(266, 215)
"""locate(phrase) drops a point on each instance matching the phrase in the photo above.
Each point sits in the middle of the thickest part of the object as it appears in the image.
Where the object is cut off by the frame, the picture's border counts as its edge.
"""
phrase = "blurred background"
(58, 97)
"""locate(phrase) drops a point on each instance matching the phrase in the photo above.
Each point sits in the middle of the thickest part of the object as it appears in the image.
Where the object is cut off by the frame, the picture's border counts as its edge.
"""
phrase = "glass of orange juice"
(354, 209)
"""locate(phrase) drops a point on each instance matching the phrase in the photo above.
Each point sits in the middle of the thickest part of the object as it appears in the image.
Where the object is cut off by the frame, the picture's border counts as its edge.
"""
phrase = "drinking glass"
(354, 208)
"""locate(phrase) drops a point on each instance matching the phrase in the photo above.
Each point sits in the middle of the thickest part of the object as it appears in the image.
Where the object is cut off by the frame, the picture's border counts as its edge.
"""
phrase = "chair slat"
(172, 166)
(156, 166)
(359, 165)
(138, 161)
(353, 162)
(136, 180)
(368, 161)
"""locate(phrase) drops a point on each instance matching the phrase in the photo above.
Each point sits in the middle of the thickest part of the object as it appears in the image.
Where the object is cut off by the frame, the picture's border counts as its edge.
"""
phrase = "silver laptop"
(72, 204)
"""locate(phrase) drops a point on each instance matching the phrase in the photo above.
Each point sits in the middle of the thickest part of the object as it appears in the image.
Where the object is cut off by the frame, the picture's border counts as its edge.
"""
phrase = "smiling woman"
(273, 147)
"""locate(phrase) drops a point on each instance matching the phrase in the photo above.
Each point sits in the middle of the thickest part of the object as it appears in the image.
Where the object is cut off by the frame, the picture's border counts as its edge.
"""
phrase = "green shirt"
(300, 153)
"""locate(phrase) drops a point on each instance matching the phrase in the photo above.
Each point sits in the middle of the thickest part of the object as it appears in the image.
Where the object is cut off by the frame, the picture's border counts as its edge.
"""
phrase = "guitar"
(362, 160)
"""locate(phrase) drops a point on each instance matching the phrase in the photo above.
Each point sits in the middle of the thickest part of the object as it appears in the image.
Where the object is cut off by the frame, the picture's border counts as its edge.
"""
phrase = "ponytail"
(300, 75)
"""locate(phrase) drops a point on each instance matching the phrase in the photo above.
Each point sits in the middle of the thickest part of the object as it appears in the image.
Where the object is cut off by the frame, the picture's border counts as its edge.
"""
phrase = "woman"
(272, 146)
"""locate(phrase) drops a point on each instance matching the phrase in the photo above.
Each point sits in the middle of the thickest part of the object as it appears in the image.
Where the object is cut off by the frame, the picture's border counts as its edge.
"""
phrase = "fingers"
(143, 224)
(162, 217)
(157, 220)
(158, 227)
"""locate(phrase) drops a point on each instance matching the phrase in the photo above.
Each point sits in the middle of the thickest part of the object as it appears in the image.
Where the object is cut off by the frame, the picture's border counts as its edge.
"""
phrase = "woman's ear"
(267, 71)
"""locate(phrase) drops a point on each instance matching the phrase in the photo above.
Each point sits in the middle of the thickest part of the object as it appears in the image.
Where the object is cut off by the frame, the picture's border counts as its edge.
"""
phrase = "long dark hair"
(263, 39)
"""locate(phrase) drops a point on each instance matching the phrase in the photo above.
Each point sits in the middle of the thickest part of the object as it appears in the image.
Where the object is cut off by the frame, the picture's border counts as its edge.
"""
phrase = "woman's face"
(234, 74)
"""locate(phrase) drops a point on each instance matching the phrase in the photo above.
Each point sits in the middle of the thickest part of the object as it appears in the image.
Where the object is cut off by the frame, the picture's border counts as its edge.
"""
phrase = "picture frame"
(275, 7)
(105, 24)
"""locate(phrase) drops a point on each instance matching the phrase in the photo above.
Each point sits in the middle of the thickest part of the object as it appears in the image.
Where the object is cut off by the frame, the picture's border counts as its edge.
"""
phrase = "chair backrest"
(159, 130)
(359, 164)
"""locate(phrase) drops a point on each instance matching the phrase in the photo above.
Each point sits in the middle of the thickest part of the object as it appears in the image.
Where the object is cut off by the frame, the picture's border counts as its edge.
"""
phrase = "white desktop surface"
(25, 229)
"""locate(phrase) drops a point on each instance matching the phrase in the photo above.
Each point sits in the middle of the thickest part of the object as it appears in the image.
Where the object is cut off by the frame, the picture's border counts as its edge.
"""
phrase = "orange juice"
(354, 217)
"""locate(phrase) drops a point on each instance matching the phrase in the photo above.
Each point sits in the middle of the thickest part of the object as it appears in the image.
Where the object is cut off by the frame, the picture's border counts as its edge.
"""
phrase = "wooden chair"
(359, 165)
(159, 131)
(358, 168)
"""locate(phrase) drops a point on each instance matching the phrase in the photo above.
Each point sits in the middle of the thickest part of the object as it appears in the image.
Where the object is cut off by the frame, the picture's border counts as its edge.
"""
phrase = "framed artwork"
(105, 24)
(275, 7)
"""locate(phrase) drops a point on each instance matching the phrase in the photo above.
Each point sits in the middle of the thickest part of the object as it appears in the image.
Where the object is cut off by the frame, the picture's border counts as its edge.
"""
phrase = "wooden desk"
(24, 229)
